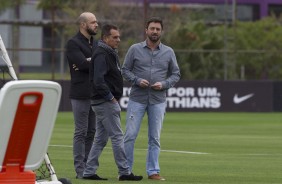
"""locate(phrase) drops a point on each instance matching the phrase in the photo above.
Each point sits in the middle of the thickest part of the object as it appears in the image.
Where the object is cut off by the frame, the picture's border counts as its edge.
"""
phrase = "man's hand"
(144, 83)
(114, 100)
(74, 67)
(157, 86)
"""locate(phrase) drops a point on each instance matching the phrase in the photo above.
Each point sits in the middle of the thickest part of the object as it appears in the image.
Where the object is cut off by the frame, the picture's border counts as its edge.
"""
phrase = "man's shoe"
(93, 177)
(79, 177)
(156, 177)
(130, 177)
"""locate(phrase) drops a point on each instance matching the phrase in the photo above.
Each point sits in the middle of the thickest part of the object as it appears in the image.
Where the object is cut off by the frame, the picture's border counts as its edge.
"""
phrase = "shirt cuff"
(109, 97)
(138, 81)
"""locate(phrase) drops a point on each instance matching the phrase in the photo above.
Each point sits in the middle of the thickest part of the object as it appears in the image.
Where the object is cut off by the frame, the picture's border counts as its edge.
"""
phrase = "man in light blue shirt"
(151, 68)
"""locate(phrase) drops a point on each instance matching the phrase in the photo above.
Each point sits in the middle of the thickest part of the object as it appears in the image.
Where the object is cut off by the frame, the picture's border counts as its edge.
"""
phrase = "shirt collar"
(144, 44)
(83, 37)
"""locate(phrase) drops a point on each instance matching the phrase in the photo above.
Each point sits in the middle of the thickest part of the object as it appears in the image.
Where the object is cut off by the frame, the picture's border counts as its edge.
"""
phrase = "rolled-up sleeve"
(127, 67)
(173, 72)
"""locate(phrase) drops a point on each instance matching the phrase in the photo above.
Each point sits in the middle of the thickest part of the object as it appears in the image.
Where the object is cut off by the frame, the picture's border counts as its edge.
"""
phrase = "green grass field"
(213, 148)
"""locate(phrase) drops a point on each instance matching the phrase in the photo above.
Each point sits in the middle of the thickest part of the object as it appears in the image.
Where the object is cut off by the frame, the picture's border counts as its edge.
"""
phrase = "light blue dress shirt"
(159, 65)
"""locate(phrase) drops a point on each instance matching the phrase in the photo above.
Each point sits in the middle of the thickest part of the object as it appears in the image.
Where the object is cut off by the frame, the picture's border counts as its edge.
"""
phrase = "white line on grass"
(263, 154)
(187, 152)
(170, 151)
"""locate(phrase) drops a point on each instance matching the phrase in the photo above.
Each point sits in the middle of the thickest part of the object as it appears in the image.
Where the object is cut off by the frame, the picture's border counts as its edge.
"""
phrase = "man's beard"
(90, 31)
(154, 38)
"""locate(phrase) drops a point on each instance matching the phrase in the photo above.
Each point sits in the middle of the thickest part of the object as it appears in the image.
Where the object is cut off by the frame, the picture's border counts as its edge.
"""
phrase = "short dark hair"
(155, 20)
(106, 30)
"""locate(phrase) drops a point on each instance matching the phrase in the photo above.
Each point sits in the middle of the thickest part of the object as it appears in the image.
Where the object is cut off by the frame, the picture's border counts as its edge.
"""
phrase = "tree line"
(247, 50)
(233, 51)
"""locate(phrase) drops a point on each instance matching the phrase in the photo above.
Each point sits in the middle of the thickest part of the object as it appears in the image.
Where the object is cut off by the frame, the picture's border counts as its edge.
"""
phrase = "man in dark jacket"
(79, 50)
(107, 88)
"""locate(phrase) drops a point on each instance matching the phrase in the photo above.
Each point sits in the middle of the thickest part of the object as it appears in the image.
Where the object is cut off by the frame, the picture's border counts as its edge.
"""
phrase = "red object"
(20, 140)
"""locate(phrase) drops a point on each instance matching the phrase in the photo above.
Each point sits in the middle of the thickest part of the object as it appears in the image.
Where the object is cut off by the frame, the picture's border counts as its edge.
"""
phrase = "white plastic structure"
(28, 110)
(7, 59)
(54, 179)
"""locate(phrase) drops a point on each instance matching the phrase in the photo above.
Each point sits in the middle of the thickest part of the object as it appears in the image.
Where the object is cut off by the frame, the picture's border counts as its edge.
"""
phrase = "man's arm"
(76, 58)
(100, 70)
(127, 68)
(173, 73)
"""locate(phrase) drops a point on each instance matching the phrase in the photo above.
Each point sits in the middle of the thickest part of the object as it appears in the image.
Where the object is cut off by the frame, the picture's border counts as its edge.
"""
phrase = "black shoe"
(130, 177)
(94, 177)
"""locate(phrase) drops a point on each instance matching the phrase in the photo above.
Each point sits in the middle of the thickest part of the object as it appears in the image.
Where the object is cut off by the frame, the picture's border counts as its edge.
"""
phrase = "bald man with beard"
(79, 50)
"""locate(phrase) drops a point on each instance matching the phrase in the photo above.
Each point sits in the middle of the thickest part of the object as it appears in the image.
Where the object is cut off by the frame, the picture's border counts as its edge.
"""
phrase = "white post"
(7, 60)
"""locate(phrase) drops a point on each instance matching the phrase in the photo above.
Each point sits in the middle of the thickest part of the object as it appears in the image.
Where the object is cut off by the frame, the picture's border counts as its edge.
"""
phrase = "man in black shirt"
(79, 50)
(107, 88)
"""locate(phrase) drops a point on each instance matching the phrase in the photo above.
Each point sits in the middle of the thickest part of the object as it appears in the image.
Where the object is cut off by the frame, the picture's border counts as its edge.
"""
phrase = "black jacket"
(105, 76)
(78, 49)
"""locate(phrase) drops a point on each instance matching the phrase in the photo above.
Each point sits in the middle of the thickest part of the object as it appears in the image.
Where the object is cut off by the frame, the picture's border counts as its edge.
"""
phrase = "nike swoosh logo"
(241, 99)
